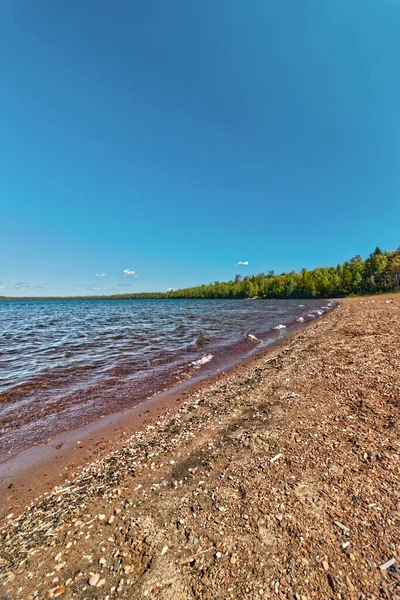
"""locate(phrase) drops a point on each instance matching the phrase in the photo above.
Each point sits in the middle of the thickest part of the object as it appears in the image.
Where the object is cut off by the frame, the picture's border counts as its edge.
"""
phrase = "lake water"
(64, 363)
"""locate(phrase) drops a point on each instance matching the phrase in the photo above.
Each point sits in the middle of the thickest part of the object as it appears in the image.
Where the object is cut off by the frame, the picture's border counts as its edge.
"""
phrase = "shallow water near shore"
(64, 363)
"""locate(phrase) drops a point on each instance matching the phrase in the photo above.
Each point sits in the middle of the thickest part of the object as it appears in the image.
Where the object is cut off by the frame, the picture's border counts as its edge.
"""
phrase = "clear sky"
(174, 138)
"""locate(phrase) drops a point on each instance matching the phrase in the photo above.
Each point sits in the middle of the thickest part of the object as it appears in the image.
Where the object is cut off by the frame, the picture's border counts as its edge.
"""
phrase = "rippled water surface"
(66, 362)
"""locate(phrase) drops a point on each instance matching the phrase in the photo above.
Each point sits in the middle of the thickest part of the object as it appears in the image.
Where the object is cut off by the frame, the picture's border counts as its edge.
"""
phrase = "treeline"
(379, 273)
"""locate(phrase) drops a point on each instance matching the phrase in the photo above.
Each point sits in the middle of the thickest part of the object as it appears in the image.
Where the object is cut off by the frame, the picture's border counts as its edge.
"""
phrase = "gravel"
(280, 480)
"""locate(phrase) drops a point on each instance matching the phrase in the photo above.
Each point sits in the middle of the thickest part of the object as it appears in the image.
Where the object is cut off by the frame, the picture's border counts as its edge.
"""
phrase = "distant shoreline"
(164, 297)
(378, 274)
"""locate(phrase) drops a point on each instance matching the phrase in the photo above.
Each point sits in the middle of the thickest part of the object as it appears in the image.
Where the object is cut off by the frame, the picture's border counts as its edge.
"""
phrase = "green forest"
(379, 273)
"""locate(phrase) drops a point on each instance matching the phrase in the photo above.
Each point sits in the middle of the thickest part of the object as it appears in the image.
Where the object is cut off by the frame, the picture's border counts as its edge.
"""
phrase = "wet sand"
(279, 479)
(43, 466)
(64, 367)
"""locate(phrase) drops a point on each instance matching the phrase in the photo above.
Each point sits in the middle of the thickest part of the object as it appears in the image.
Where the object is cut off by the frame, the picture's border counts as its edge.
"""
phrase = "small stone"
(387, 564)
(101, 517)
(94, 579)
(349, 584)
(110, 520)
(164, 550)
(272, 460)
(116, 565)
(101, 583)
(58, 556)
(331, 581)
(352, 557)
(325, 564)
(218, 555)
(59, 591)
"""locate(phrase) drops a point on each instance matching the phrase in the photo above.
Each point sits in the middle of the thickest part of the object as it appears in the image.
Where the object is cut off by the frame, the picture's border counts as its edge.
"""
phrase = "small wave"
(301, 305)
(179, 328)
(202, 361)
(310, 316)
(201, 340)
(300, 319)
(253, 338)
(280, 326)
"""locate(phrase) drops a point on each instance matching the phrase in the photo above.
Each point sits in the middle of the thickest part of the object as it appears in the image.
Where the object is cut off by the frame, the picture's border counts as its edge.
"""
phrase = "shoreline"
(278, 479)
(37, 469)
(37, 410)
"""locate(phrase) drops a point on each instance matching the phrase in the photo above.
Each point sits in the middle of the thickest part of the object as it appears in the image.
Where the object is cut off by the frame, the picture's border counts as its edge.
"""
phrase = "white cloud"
(93, 287)
(29, 286)
(170, 289)
(100, 274)
(129, 273)
(243, 262)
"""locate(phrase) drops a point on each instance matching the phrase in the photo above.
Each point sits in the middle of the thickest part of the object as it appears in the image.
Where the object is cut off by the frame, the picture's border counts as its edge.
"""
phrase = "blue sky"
(175, 139)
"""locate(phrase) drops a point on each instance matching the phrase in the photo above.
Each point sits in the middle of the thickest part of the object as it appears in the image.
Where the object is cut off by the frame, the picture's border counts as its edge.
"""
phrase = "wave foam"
(279, 326)
(253, 338)
(202, 361)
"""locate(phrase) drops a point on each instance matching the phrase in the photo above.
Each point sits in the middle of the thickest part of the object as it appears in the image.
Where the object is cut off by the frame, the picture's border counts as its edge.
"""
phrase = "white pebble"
(94, 579)
(388, 564)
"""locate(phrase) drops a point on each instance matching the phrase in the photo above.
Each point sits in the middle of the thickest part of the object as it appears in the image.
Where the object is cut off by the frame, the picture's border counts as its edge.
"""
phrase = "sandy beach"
(278, 479)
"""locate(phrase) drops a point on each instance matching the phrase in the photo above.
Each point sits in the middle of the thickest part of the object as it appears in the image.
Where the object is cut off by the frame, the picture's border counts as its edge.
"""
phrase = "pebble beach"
(278, 479)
